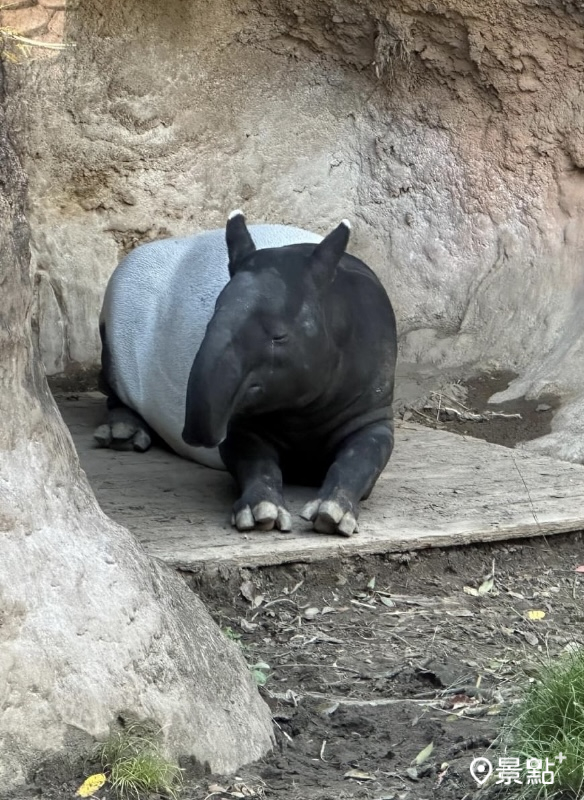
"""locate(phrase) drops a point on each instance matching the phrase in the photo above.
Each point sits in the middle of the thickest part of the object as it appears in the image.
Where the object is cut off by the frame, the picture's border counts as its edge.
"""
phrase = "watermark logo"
(481, 770)
(510, 770)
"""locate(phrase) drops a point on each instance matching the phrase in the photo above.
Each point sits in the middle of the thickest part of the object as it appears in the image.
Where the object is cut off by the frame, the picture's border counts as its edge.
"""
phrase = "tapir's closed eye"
(280, 337)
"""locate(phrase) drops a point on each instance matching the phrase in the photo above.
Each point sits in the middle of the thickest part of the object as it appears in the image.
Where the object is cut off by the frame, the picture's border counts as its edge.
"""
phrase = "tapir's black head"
(267, 346)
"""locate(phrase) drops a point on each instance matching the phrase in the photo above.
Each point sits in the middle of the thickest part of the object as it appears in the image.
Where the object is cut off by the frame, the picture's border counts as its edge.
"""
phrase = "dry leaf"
(257, 600)
(247, 589)
(486, 586)
(470, 590)
(463, 612)
(91, 785)
(359, 776)
(530, 638)
(580, 568)
(310, 613)
(387, 601)
(423, 755)
(371, 584)
(534, 613)
(516, 595)
(246, 626)
(326, 709)
(215, 788)
(328, 610)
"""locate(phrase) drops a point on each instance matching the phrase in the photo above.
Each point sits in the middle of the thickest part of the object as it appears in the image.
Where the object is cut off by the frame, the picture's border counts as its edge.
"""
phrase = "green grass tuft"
(548, 721)
(135, 765)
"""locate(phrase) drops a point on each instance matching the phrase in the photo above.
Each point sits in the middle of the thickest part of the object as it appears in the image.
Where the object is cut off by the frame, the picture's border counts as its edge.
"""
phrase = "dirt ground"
(372, 660)
(369, 661)
(523, 419)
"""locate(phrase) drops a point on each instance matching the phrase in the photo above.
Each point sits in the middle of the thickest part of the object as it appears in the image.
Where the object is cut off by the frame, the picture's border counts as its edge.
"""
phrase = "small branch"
(472, 416)
(528, 493)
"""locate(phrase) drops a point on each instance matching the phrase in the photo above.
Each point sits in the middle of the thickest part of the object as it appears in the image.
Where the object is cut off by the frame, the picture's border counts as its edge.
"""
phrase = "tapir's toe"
(284, 521)
(310, 510)
(265, 515)
(348, 525)
(244, 520)
(103, 435)
(142, 441)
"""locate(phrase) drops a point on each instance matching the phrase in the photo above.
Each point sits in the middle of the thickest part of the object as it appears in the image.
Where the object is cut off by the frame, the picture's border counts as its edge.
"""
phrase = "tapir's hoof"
(122, 436)
(264, 516)
(327, 516)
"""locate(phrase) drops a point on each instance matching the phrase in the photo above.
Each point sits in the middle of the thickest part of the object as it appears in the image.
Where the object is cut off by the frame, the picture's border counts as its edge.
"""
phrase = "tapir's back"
(156, 309)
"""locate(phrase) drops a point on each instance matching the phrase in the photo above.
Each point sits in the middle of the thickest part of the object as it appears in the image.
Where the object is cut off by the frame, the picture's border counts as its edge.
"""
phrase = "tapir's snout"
(202, 428)
(213, 389)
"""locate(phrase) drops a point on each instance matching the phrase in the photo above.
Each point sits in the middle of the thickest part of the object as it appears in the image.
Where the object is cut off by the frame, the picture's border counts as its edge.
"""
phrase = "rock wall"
(41, 20)
(451, 132)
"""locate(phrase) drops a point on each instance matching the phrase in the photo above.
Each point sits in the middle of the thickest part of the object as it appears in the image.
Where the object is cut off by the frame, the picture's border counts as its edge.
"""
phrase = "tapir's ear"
(239, 242)
(329, 252)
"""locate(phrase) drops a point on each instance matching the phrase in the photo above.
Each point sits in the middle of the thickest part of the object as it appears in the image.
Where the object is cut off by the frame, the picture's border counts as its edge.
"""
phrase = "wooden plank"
(439, 490)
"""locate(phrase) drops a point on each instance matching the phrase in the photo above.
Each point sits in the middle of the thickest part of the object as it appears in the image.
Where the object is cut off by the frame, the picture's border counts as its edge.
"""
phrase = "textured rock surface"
(450, 131)
(90, 627)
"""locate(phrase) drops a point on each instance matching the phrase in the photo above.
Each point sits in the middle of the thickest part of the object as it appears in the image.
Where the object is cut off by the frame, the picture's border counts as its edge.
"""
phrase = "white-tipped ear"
(238, 212)
(346, 223)
(239, 242)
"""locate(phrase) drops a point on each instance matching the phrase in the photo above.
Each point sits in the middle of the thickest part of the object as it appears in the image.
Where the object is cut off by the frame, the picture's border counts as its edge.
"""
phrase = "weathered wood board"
(439, 489)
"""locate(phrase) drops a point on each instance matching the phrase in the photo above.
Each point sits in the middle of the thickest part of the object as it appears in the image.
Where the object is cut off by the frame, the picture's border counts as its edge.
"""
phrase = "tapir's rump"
(157, 306)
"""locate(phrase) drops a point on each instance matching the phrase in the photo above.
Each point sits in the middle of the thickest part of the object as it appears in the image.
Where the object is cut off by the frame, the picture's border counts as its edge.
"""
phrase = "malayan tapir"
(265, 350)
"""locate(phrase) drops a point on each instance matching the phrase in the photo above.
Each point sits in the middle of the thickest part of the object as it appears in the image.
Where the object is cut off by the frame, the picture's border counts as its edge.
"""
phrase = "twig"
(381, 701)
(474, 416)
(280, 600)
(452, 399)
(528, 493)
(287, 735)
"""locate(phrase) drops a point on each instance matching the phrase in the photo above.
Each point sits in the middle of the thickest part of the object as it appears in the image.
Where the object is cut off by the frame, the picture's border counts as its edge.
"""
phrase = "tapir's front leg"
(255, 466)
(358, 463)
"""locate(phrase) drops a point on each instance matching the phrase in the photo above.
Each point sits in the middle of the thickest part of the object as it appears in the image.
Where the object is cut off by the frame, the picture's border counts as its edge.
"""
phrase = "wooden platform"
(440, 489)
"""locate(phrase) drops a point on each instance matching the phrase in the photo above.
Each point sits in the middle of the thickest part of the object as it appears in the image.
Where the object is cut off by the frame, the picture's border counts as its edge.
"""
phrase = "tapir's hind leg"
(122, 429)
